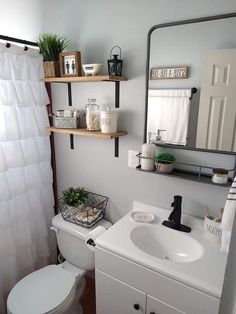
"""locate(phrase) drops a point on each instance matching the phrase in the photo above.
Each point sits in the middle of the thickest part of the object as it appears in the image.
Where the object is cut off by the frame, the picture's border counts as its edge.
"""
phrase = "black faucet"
(174, 220)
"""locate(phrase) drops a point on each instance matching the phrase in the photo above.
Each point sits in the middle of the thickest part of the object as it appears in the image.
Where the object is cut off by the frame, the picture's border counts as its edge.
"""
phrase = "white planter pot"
(164, 168)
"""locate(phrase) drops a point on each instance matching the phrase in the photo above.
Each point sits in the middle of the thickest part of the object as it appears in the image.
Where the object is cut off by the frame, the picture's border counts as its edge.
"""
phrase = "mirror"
(205, 120)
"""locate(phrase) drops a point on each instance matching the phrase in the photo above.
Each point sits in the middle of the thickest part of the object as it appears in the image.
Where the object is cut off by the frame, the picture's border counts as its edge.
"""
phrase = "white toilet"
(55, 289)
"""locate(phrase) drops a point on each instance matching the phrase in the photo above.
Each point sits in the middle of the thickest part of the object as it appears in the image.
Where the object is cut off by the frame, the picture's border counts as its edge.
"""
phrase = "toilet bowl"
(56, 289)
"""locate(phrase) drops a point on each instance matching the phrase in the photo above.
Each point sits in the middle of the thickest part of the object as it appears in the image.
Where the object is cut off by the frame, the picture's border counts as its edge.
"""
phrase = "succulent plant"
(165, 158)
(74, 196)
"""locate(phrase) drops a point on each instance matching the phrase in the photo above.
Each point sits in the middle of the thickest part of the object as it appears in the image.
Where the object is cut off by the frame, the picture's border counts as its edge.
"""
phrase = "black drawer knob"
(152, 313)
(136, 307)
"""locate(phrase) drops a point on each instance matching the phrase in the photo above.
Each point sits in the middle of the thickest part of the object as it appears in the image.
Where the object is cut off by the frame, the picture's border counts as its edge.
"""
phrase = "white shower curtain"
(26, 196)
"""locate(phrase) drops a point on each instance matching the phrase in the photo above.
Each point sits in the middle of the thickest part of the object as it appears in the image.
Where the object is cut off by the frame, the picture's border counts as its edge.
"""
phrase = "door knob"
(136, 307)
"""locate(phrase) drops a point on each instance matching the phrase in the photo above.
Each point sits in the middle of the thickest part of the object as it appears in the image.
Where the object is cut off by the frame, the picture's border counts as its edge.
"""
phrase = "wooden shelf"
(96, 78)
(85, 132)
(188, 175)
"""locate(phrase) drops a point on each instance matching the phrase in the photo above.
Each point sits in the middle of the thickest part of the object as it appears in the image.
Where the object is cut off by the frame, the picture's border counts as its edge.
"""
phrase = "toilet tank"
(71, 242)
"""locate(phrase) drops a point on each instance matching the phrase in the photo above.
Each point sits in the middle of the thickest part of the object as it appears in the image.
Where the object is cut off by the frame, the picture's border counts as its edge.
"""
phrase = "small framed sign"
(70, 63)
(169, 73)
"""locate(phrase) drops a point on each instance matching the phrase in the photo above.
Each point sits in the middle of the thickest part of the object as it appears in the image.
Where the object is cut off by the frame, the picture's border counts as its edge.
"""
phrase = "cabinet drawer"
(115, 297)
(166, 290)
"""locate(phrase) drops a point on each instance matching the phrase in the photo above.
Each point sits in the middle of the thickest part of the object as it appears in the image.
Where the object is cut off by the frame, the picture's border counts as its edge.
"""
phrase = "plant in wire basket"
(74, 196)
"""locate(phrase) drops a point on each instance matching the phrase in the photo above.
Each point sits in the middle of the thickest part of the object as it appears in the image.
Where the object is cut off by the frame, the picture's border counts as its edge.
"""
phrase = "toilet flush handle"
(54, 229)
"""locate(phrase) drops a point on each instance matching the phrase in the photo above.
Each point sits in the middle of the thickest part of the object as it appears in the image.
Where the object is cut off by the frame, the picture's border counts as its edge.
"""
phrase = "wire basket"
(86, 214)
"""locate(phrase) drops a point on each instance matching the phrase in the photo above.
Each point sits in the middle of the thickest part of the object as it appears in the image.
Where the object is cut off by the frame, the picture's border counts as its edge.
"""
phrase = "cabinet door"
(155, 306)
(115, 297)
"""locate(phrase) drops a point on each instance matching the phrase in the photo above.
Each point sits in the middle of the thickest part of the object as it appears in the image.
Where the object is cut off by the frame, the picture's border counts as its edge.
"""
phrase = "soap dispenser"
(158, 137)
(158, 140)
(148, 155)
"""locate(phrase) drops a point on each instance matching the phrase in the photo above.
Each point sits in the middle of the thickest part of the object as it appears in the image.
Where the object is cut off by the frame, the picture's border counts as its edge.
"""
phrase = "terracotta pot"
(164, 168)
(51, 68)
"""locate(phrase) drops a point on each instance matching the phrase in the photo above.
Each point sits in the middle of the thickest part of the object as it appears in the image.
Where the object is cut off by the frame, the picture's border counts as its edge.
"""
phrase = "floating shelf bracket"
(117, 94)
(72, 141)
(69, 94)
(116, 146)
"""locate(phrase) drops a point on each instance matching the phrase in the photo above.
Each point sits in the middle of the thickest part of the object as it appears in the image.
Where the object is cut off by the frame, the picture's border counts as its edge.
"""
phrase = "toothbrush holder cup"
(212, 230)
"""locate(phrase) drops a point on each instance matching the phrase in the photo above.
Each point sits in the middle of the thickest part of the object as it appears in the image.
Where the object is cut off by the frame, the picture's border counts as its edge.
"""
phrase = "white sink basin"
(165, 243)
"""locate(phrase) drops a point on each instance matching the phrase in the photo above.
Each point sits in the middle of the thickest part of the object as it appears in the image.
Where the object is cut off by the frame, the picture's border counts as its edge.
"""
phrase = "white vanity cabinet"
(115, 297)
(125, 287)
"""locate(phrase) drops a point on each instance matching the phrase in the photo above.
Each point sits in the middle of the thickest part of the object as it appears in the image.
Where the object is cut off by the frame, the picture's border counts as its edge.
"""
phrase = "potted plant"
(50, 46)
(74, 196)
(164, 162)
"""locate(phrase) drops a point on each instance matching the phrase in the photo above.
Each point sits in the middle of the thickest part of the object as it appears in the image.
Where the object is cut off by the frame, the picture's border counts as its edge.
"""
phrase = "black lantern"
(115, 64)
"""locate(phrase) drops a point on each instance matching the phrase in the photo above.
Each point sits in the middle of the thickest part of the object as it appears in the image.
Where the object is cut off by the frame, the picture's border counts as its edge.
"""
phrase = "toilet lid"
(41, 291)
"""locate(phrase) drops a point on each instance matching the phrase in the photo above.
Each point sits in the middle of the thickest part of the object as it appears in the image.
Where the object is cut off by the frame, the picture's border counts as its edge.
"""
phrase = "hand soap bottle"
(148, 152)
(158, 137)
(159, 140)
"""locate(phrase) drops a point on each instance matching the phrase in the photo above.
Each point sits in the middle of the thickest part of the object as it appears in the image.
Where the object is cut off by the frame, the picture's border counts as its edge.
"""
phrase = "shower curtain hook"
(26, 48)
(8, 45)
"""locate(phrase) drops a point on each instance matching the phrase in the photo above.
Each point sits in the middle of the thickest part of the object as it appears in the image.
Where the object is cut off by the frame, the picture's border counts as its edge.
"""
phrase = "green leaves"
(51, 45)
(165, 158)
(74, 196)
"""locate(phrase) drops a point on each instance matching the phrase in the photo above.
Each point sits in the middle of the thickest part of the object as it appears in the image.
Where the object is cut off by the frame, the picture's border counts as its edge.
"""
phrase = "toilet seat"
(43, 291)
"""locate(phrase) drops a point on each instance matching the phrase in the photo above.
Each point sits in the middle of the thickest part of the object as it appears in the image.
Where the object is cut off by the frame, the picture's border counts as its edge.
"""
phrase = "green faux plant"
(74, 196)
(51, 45)
(165, 158)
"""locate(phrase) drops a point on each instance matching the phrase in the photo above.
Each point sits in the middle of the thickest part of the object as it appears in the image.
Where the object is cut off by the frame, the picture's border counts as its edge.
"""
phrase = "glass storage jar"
(220, 176)
(92, 115)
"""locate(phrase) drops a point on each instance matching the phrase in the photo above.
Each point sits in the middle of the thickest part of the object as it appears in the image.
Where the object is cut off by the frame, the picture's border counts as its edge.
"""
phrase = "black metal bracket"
(69, 94)
(117, 94)
(71, 141)
(116, 146)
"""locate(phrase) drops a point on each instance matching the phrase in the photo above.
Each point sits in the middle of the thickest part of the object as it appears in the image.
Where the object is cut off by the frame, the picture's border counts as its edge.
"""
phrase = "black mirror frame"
(170, 24)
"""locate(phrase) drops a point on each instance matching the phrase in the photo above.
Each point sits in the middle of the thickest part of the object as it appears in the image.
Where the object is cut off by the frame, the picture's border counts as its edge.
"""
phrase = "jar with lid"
(109, 121)
(220, 176)
(92, 115)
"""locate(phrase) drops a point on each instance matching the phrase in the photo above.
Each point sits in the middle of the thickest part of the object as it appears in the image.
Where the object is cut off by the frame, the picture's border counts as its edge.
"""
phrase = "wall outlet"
(133, 160)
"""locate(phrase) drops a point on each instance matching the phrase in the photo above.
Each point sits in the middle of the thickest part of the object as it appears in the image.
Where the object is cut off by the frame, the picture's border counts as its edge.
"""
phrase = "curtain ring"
(8, 45)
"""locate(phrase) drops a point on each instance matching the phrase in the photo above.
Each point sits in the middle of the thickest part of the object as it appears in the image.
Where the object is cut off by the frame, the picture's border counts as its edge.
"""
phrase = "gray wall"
(21, 19)
(94, 26)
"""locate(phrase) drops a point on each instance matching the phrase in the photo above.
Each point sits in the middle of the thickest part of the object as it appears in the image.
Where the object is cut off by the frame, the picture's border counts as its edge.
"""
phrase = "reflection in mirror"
(207, 121)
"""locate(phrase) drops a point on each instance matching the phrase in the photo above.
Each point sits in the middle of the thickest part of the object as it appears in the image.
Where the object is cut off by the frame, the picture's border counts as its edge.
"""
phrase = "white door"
(115, 297)
(155, 306)
(217, 108)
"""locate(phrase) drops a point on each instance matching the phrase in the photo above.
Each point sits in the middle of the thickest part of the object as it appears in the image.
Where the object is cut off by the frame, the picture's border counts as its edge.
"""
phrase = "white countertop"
(205, 274)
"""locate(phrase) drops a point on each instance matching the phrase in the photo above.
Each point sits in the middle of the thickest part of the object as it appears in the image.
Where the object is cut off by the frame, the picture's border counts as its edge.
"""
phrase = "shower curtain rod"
(18, 40)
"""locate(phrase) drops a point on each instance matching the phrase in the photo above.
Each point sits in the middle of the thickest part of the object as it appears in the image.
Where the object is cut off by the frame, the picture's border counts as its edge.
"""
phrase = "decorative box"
(67, 123)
